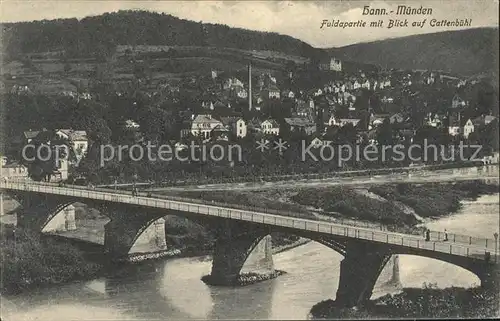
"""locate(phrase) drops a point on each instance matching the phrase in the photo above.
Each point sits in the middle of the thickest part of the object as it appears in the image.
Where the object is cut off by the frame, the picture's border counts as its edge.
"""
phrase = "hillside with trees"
(466, 52)
(98, 36)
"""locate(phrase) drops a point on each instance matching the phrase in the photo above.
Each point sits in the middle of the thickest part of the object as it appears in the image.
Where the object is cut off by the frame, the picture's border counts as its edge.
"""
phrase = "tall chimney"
(249, 86)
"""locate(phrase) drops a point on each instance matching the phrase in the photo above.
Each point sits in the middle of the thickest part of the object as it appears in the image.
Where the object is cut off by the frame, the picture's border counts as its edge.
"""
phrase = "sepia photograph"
(249, 160)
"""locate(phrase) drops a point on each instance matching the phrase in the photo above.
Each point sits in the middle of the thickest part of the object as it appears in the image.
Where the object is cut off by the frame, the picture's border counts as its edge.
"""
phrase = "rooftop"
(299, 121)
(205, 119)
(74, 134)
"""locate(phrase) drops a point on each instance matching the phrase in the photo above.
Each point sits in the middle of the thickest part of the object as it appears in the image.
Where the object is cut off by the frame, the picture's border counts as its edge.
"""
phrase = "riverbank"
(28, 261)
(290, 246)
(434, 200)
(390, 204)
(428, 302)
(33, 260)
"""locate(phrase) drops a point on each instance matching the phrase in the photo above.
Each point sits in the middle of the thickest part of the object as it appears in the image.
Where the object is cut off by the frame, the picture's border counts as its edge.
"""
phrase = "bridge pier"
(489, 274)
(240, 250)
(260, 260)
(359, 271)
(1, 204)
(152, 239)
(64, 220)
(392, 268)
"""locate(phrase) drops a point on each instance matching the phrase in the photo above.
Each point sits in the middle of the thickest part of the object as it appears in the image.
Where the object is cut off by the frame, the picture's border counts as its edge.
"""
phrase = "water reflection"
(137, 290)
(249, 302)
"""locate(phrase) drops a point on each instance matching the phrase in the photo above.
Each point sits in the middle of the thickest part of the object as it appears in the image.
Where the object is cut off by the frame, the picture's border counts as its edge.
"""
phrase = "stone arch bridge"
(241, 232)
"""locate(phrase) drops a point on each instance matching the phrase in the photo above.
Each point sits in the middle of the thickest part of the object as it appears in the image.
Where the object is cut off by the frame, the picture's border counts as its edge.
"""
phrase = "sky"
(299, 19)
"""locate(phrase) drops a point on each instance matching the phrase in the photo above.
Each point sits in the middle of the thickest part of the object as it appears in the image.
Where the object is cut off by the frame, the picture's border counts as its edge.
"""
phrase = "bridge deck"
(261, 217)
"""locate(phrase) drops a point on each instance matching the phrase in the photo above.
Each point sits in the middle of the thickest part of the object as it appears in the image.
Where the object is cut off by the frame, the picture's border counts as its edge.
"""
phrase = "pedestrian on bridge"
(427, 235)
(445, 235)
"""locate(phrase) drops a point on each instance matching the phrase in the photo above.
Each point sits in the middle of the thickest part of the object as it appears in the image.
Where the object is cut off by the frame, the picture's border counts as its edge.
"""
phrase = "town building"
(237, 125)
(378, 119)
(77, 139)
(482, 121)
(202, 126)
(330, 64)
(396, 118)
(232, 83)
(29, 135)
(434, 120)
(13, 170)
(300, 124)
(271, 91)
(130, 124)
(319, 142)
(333, 121)
(460, 126)
(458, 102)
(270, 127)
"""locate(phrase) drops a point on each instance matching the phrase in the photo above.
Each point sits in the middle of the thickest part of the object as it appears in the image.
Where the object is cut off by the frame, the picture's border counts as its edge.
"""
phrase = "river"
(172, 289)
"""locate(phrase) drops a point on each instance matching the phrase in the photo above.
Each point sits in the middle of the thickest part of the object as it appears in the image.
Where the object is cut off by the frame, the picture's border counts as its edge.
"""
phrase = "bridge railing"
(258, 217)
(125, 196)
(464, 239)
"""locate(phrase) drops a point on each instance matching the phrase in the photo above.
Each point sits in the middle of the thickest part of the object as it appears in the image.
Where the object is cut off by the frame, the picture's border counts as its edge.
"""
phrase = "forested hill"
(467, 52)
(98, 35)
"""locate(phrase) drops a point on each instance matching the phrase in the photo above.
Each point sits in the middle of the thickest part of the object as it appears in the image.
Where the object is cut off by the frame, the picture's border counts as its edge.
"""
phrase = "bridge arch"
(126, 224)
(422, 263)
(239, 251)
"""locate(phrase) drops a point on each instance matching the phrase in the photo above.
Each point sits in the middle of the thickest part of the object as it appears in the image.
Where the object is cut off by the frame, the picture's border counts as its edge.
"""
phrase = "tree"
(67, 67)
(385, 133)
(347, 134)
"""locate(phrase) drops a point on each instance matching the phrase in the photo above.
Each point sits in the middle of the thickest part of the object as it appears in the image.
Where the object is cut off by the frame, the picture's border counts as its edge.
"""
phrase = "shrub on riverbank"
(433, 200)
(281, 239)
(83, 211)
(440, 303)
(474, 189)
(428, 302)
(350, 203)
(190, 237)
(29, 261)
